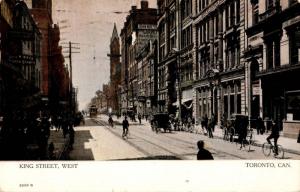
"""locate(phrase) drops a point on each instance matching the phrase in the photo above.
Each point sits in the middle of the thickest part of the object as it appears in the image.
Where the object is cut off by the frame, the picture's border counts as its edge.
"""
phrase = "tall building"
(147, 79)
(21, 62)
(273, 62)
(137, 30)
(115, 71)
(219, 75)
(6, 24)
(175, 57)
(41, 11)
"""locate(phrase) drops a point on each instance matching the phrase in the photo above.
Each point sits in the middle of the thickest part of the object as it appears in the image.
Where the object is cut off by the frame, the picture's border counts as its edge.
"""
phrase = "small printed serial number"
(25, 185)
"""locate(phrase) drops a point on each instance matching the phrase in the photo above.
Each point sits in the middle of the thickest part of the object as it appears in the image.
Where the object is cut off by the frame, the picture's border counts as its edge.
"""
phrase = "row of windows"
(186, 8)
(231, 100)
(161, 78)
(202, 4)
(232, 14)
(270, 4)
(273, 48)
(187, 37)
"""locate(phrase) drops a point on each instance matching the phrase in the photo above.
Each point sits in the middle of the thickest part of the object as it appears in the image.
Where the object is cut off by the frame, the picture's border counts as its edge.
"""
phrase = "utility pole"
(70, 52)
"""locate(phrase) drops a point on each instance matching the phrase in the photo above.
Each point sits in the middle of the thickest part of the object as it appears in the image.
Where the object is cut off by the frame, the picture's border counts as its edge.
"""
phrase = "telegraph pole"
(70, 52)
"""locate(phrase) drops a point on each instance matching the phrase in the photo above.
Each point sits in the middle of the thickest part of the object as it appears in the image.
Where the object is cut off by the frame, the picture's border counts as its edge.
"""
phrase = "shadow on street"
(80, 152)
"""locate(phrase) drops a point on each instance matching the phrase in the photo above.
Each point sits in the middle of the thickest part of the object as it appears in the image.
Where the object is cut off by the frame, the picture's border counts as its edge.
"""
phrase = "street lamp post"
(178, 63)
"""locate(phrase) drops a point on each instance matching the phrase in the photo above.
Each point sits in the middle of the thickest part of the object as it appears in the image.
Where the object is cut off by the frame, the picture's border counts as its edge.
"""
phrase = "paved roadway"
(97, 141)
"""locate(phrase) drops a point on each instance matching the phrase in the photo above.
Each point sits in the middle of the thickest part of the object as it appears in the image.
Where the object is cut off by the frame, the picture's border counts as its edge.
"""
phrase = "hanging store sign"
(255, 89)
(145, 26)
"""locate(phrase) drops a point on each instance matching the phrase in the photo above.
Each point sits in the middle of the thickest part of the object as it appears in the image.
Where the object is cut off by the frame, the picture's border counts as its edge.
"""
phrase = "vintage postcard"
(149, 95)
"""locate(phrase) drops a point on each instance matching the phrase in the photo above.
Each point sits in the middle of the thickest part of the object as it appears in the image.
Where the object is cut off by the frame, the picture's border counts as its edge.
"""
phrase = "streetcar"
(93, 111)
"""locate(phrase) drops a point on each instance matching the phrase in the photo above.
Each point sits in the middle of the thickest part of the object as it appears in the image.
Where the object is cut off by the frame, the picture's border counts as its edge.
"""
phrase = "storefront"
(220, 96)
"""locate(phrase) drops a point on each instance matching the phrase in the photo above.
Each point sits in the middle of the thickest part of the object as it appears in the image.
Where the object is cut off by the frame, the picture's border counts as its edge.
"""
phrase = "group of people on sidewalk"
(208, 125)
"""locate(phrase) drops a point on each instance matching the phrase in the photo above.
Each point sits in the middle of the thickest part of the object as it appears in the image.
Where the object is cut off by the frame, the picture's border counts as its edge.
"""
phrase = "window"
(270, 4)
(186, 39)
(202, 4)
(255, 13)
(269, 50)
(237, 10)
(232, 15)
(293, 105)
(172, 19)
(294, 38)
(293, 2)
(186, 8)
(273, 52)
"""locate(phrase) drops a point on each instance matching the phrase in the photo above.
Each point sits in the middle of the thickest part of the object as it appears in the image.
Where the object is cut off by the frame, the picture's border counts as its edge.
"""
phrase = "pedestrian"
(51, 151)
(204, 123)
(213, 121)
(125, 125)
(71, 135)
(209, 128)
(262, 126)
(203, 154)
(65, 126)
(111, 121)
(140, 118)
(59, 122)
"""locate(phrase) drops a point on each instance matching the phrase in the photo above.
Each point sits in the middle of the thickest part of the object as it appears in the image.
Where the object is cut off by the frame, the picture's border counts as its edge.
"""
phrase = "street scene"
(149, 80)
(97, 140)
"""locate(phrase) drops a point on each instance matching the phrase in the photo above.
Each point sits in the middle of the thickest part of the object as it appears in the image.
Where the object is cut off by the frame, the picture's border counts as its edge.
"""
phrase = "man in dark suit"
(203, 154)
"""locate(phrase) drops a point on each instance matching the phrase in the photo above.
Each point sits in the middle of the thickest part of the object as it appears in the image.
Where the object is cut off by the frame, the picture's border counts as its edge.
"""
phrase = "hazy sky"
(90, 23)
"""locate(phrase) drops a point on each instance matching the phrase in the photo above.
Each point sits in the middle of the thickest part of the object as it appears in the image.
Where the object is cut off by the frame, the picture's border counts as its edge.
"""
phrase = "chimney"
(133, 7)
(144, 4)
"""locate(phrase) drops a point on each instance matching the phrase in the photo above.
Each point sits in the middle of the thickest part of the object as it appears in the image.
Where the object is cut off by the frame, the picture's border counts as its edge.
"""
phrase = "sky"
(90, 23)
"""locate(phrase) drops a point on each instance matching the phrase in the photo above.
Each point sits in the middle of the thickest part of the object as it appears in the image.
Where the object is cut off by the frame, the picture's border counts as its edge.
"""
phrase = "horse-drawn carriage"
(236, 127)
(161, 121)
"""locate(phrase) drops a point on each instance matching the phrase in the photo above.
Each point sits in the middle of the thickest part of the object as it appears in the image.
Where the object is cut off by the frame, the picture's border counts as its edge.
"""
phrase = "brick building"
(41, 11)
(59, 91)
(134, 36)
(6, 24)
(147, 79)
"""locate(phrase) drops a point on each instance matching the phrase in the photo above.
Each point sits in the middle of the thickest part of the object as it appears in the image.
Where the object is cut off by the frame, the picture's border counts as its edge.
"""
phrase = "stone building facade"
(219, 75)
(175, 57)
(272, 57)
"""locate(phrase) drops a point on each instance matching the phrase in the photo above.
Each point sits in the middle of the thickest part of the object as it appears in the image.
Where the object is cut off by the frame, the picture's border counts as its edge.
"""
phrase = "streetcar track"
(180, 156)
(119, 136)
(143, 139)
(218, 152)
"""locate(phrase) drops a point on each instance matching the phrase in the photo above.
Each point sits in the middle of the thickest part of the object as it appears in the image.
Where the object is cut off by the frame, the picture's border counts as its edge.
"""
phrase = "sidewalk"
(60, 143)
(289, 145)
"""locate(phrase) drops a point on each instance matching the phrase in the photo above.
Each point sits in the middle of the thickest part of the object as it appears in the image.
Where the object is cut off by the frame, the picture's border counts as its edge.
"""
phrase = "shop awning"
(183, 102)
